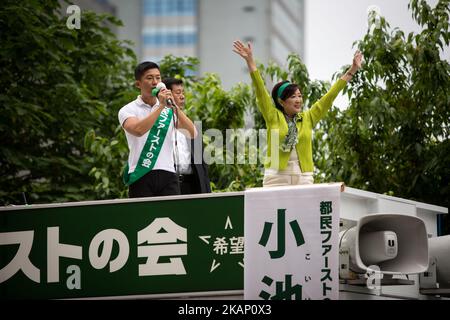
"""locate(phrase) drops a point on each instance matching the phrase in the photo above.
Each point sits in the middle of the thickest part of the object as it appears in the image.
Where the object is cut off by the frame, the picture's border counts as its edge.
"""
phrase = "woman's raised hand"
(356, 65)
(242, 50)
(245, 52)
(357, 61)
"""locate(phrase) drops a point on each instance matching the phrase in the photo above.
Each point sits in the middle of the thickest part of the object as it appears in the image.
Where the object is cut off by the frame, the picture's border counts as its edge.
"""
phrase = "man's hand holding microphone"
(164, 95)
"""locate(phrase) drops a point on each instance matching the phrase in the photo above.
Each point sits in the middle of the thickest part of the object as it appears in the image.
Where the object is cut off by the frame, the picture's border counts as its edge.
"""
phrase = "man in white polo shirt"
(149, 123)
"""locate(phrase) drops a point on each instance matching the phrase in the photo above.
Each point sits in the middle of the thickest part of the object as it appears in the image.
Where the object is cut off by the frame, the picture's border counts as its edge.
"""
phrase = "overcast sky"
(332, 27)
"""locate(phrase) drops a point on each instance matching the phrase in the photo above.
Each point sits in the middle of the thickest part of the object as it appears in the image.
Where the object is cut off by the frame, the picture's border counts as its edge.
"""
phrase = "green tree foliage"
(394, 136)
(55, 84)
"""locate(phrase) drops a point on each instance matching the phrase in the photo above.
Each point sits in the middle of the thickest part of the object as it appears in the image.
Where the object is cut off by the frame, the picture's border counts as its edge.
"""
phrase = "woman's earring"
(281, 102)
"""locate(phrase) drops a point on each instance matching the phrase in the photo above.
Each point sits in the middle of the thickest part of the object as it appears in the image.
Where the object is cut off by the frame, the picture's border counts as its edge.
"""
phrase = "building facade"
(169, 27)
(207, 28)
(275, 28)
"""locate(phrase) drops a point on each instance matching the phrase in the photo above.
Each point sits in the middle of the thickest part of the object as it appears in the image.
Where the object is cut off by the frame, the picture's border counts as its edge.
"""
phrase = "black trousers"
(154, 184)
(189, 184)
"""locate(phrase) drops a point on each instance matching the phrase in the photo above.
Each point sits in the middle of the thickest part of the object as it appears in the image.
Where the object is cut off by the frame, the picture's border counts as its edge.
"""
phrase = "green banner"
(122, 247)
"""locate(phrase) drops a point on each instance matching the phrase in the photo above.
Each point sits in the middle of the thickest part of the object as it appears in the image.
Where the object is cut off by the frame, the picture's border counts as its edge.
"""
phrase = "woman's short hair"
(286, 93)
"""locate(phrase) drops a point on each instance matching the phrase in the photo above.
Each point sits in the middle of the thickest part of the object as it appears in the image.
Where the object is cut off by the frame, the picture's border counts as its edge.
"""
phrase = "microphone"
(157, 89)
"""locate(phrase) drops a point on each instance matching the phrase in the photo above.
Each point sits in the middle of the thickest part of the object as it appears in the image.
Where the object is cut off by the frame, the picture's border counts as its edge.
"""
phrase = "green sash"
(152, 148)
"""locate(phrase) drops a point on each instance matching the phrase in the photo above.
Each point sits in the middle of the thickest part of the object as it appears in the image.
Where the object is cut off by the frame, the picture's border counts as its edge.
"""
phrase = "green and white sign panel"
(291, 249)
(122, 248)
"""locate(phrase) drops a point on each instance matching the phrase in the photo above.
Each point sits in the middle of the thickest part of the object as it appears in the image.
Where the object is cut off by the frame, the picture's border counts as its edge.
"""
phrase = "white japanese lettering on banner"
(230, 244)
(152, 244)
(162, 245)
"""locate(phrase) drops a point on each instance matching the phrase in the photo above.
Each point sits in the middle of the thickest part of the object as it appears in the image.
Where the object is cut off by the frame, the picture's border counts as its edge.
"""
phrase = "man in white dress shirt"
(193, 176)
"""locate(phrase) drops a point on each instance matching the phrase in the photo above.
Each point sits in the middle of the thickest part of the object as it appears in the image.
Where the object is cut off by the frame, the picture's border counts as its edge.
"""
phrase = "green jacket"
(277, 127)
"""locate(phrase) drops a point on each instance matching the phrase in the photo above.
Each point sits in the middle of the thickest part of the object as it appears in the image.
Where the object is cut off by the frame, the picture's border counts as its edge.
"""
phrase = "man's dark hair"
(142, 67)
(170, 82)
(289, 91)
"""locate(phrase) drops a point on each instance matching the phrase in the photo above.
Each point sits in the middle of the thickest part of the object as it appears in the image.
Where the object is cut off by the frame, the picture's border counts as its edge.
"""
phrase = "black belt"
(185, 177)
